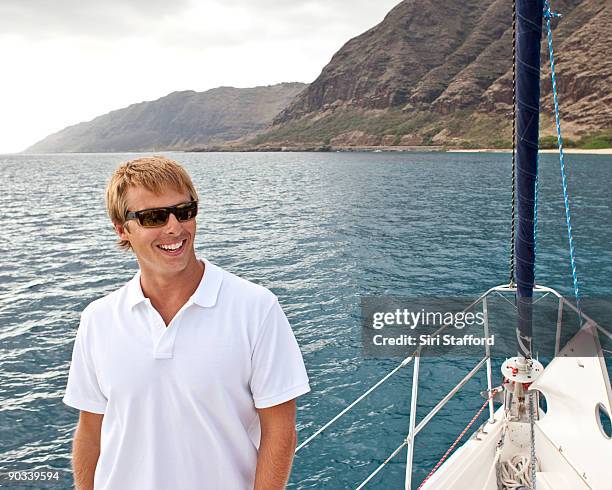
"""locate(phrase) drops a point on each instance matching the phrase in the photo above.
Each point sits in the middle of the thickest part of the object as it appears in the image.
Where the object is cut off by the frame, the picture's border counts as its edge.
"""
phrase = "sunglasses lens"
(154, 217)
(186, 212)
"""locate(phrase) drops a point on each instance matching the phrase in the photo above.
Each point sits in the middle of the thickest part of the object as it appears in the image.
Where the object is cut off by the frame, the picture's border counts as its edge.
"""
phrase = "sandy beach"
(603, 151)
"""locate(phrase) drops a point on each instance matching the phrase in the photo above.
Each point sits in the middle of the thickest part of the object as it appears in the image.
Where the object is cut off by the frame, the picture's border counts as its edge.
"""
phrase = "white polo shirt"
(179, 401)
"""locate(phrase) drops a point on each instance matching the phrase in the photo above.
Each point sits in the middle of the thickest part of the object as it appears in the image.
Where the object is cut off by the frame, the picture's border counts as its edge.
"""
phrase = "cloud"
(217, 19)
(44, 19)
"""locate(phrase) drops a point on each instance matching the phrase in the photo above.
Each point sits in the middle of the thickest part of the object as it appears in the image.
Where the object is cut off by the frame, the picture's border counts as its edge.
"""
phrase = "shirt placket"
(164, 336)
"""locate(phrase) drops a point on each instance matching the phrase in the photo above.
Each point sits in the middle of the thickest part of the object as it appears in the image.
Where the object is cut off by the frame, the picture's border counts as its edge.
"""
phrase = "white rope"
(516, 472)
(492, 468)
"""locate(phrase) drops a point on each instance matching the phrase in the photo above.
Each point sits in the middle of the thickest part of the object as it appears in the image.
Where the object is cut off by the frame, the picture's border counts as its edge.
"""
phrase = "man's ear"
(122, 231)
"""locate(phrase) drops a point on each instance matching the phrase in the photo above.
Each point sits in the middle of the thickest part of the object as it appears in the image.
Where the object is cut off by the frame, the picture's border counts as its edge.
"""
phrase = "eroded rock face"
(355, 138)
(444, 56)
(411, 140)
(436, 55)
(582, 41)
(583, 67)
(388, 140)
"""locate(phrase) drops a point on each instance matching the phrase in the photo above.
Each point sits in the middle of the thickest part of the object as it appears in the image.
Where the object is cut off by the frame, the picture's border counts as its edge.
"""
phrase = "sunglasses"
(154, 217)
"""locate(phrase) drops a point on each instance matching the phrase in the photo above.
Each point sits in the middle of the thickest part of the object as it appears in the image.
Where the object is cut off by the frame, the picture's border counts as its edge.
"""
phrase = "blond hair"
(155, 173)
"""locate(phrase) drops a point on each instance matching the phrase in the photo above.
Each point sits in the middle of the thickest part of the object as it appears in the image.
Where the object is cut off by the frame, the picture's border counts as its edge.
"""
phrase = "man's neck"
(168, 293)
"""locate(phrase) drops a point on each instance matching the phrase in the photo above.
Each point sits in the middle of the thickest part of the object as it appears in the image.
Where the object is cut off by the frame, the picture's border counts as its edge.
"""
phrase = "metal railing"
(415, 357)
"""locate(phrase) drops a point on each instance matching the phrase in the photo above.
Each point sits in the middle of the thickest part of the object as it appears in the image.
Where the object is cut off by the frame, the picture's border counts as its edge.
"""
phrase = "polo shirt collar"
(205, 295)
(208, 289)
(134, 291)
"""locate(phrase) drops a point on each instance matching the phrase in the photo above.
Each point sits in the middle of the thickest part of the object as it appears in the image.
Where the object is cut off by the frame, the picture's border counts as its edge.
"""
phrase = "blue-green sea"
(321, 230)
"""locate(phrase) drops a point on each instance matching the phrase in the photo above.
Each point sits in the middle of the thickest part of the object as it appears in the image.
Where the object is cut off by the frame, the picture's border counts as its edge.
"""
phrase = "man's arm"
(86, 449)
(277, 446)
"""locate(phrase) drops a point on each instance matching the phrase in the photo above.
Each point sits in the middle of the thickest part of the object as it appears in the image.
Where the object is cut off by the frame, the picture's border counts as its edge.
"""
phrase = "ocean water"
(321, 230)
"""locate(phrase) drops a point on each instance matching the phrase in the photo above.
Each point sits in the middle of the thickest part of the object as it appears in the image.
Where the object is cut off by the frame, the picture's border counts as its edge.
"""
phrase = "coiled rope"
(514, 474)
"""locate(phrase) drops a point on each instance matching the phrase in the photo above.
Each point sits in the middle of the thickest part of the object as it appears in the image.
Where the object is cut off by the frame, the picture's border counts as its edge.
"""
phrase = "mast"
(527, 87)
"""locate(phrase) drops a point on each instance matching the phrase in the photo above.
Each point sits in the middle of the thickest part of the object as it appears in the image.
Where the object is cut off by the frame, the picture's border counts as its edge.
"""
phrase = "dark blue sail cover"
(528, 36)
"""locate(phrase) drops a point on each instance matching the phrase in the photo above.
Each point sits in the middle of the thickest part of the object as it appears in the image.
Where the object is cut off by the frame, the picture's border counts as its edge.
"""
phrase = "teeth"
(174, 246)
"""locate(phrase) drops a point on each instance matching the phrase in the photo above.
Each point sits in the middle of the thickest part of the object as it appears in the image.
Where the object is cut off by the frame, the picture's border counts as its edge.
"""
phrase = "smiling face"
(164, 251)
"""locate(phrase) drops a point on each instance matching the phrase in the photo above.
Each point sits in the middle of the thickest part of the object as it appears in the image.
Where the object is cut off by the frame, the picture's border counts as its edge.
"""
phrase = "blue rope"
(548, 14)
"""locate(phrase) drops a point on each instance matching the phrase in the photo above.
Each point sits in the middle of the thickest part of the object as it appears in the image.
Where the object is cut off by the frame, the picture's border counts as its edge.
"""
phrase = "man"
(186, 377)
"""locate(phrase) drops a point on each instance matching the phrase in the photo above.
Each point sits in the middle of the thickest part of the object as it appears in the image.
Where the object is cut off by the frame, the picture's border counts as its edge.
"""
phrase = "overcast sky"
(67, 61)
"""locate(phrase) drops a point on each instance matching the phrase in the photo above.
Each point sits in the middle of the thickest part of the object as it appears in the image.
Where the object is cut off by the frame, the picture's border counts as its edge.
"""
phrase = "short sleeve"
(83, 390)
(278, 372)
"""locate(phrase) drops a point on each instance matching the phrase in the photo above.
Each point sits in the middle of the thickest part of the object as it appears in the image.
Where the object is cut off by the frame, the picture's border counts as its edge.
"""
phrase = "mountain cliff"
(179, 120)
(440, 72)
(431, 73)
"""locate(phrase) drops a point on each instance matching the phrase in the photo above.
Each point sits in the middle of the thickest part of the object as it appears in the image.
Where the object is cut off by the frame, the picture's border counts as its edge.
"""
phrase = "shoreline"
(332, 149)
(384, 149)
(602, 151)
